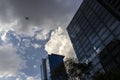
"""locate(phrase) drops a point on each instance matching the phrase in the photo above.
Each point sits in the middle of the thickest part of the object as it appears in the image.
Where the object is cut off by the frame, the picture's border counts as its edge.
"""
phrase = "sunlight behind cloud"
(59, 43)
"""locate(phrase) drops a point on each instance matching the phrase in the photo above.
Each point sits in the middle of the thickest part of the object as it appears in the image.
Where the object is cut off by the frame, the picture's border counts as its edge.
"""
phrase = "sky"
(24, 42)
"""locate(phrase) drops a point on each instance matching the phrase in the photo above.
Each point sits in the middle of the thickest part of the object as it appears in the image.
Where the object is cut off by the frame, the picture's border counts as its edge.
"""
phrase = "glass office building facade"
(110, 56)
(44, 70)
(57, 68)
(113, 6)
(91, 29)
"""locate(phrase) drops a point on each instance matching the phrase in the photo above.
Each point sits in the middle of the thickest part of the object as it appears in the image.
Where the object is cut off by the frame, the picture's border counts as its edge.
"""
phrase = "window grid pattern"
(94, 28)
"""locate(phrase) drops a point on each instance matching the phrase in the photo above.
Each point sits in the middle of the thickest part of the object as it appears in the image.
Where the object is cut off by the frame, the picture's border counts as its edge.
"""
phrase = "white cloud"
(30, 78)
(59, 43)
(4, 36)
(36, 45)
(40, 13)
(23, 76)
(8, 26)
(35, 66)
(10, 62)
(43, 35)
(26, 42)
(33, 78)
(17, 78)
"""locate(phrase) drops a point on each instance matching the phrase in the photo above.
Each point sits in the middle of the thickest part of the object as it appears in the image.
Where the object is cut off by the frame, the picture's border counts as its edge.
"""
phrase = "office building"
(57, 68)
(93, 27)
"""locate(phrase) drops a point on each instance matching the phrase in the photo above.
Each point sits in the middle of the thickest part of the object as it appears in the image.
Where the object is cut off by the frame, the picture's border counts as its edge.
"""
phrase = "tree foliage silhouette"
(74, 68)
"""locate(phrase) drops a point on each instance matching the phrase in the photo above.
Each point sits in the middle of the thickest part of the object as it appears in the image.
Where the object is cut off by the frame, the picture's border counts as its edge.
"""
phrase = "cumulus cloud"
(42, 35)
(41, 13)
(17, 78)
(30, 78)
(59, 43)
(10, 62)
(4, 36)
(33, 78)
(27, 42)
(23, 76)
(36, 45)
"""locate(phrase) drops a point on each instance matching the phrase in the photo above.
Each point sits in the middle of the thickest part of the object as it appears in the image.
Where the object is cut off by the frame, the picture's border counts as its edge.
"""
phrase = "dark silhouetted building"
(113, 6)
(93, 27)
(57, 68)
(110, 56)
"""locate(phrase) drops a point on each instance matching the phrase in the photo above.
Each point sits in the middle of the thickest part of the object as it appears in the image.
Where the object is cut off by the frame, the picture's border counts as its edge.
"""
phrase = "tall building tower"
(94, 26)
(44, 70)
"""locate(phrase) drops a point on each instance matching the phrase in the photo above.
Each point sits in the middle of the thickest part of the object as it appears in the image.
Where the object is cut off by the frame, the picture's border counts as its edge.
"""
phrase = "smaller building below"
(57, 68)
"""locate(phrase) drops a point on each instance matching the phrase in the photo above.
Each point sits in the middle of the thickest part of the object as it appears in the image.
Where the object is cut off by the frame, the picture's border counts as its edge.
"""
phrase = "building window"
(117, 31)
(97, 44)
(98, 26)
(112, 23)
(105, 35)
(101, 32)
(117, 3)
(95, 61)
(107, 17)
(108, 39)
(94, 39)
(112, 2)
